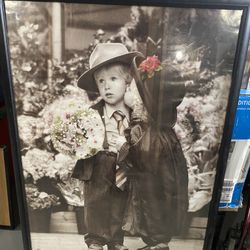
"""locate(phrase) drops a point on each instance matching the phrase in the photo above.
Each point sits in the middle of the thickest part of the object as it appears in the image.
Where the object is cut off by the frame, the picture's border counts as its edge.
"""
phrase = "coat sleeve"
(171, 95)
(83, 169)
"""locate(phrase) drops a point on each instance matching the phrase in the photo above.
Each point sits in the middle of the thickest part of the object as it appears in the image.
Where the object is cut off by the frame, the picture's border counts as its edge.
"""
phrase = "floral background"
(198, 50)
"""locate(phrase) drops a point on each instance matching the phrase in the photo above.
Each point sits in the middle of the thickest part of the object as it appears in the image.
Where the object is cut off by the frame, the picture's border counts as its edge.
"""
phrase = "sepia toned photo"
(120, 115)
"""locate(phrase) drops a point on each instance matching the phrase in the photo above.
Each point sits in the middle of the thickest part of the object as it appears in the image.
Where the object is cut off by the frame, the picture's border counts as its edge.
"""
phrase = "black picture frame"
(237, 75)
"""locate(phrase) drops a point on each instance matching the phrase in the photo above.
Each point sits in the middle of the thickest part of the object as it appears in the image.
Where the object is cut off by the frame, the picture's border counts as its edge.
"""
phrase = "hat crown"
(104, 54)
(106, 51)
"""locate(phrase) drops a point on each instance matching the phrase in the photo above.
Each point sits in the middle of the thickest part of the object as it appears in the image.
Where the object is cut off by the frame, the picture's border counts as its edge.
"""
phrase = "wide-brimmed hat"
(104, 53)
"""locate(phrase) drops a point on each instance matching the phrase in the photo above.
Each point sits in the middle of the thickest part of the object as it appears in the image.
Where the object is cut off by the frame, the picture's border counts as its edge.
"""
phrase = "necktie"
(120, 174)
(119, 117)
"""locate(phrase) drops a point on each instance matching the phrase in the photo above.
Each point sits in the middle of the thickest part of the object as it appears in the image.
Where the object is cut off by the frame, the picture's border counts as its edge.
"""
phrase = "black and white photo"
(120, 114)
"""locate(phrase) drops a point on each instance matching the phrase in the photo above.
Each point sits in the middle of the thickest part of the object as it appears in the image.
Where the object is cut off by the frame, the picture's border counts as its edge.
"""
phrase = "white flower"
(43, 195)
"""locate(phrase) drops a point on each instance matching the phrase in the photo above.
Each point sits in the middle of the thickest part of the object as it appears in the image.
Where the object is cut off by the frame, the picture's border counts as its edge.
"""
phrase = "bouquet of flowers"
(75, 129)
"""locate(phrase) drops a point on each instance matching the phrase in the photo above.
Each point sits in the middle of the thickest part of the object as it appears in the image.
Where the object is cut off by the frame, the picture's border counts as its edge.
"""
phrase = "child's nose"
(107, 84)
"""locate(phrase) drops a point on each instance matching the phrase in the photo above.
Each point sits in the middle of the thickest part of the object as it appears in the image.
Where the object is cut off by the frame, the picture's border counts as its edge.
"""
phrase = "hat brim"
(87, 82)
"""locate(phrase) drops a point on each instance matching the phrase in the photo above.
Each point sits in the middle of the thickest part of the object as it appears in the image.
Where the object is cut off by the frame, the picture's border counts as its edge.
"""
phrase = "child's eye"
(101, 81)
(113, 78)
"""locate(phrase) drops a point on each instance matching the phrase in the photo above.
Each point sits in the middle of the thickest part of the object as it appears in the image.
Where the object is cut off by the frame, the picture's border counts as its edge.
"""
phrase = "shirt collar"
(110, 110)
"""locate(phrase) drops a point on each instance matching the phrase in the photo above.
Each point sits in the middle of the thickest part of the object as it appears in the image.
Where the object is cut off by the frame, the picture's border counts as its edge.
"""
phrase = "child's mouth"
(108, 95)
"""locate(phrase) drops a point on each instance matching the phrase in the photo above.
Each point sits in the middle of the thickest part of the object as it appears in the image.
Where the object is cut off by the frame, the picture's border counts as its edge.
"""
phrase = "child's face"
(111, 85)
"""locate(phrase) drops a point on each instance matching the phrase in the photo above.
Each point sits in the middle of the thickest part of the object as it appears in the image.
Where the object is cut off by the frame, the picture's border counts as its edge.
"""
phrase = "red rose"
(150, 65)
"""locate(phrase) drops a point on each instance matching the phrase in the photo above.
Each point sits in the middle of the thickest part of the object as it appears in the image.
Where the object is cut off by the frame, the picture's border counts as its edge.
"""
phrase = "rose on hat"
(103, 54)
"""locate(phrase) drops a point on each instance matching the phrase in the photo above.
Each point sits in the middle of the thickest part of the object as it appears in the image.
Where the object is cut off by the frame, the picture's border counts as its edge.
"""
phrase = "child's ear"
(129, 97)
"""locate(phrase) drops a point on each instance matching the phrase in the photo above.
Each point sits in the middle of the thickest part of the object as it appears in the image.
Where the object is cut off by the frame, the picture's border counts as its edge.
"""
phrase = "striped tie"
(119, 117)
(120, 175)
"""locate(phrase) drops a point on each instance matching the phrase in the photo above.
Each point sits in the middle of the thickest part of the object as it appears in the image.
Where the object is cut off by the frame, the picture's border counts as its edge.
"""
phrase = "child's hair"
(121, 68)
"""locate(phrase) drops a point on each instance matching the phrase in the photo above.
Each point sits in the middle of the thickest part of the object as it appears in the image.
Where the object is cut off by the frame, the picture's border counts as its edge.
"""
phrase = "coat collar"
(99, 107)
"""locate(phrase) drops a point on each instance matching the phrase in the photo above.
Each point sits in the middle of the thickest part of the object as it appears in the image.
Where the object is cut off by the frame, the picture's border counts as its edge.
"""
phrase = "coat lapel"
(99, 107)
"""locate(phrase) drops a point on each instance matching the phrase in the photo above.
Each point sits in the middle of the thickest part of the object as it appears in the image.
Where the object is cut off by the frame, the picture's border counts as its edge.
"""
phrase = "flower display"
(149, 66)
(39, 163)
(199, 128)
(76, 130)
(36, 164)
(30, 129)
(73, 191)
(40, 200)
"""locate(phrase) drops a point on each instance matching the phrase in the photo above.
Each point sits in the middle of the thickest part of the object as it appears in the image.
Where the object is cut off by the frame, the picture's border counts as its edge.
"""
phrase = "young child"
(159, 192)
(105, 181)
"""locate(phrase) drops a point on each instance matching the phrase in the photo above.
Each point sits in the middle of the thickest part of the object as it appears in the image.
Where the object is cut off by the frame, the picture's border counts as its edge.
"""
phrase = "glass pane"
(68, 57)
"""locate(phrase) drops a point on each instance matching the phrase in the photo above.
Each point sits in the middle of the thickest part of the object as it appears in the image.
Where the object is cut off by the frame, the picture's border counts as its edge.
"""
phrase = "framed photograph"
(121, 118)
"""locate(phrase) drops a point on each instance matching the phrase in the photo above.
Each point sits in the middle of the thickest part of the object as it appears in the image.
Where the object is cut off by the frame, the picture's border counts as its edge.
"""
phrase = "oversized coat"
(104, 202)
(84, 167)
(158, 201)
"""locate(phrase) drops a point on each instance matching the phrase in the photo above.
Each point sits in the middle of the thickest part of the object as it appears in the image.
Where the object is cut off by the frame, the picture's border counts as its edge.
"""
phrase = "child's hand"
(117, 141)
(135, 134)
